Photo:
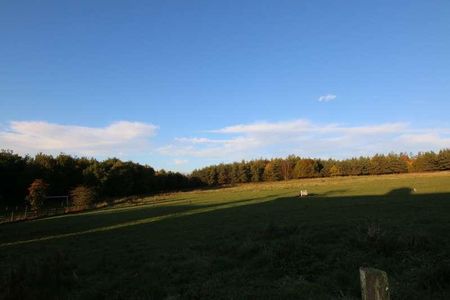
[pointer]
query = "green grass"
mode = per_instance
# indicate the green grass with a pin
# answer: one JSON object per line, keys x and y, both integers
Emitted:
{"x": 254, "y": 241}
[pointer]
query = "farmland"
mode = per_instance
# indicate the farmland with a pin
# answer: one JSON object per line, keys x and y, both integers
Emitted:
{"x": 249, "y": 241}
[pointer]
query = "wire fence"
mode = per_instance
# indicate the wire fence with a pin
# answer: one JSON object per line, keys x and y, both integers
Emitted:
{"x": 17, "y": 214}
{"x": 22, "y": 213}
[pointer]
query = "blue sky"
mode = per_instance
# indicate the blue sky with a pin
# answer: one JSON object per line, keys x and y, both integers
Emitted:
{"x": 183, "y": 84}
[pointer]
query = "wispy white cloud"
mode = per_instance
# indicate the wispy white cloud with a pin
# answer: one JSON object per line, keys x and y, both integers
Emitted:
{"x": 266, "y": 127}
{"x": 179, "y": 162}
{"x": 198, "y": 140}
{"x": 113, "y": 140}
{"x": 303, "y": 126}
{"x": 218, "y": 149}
{"x": 306, "y": 138}
{"x": 432, "y": 139}
{"x": 327, "y": 98}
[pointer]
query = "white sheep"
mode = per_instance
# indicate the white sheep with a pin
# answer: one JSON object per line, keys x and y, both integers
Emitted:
{"x": 303, "y": 193}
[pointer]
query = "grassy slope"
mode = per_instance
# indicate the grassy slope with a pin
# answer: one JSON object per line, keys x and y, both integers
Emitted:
{"x": 250, "y": 241}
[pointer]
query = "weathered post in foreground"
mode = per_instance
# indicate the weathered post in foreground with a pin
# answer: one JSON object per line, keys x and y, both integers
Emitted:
{"x": 374, "y": 284}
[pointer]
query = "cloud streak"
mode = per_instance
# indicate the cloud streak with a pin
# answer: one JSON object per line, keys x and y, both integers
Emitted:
{"x": 113, "y": 140}
{"x": 180, "y": 161}
{"x": 326, "y": 98}
{"x": 306, "y": 138}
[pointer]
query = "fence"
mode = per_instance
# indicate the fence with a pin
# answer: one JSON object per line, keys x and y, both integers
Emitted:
{"x": 17, "y": 214}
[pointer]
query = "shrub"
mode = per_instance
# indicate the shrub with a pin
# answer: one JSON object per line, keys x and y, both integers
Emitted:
{"x": 82, "y": 196}
{"x": 37, "y": 192}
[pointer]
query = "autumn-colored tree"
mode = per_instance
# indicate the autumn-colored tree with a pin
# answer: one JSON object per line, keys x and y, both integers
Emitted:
{"x": 286, "y": 167}
{"x": 305, "y": 168}
{"x": 272, "y": 171}
{"x": 335, "y": 171}
{"x": 82, "y": 196}
{"x": 37, "y": 192}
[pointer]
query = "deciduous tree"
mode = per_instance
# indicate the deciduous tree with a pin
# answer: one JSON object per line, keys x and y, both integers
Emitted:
{"x": 37, "y": 192}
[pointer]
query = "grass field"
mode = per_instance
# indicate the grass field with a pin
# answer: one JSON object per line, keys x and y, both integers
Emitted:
{"x": 254, "y": 241}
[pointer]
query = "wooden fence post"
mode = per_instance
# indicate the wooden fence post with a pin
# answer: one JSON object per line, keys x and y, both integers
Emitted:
{"x": 374, "y": 284}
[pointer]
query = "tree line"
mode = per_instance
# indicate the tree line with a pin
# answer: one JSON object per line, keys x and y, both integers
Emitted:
{"x": 26, "y": 179}
{"x": 63, "y": 174}
{"x": 294, "y": 167}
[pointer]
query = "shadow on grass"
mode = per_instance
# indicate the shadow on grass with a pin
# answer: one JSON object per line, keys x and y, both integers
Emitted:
{"x": 269, "y": 247}
{"x": 107, "y": 220}
{"x": 328, "y": 193}
{"x": 401, "y": 192}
